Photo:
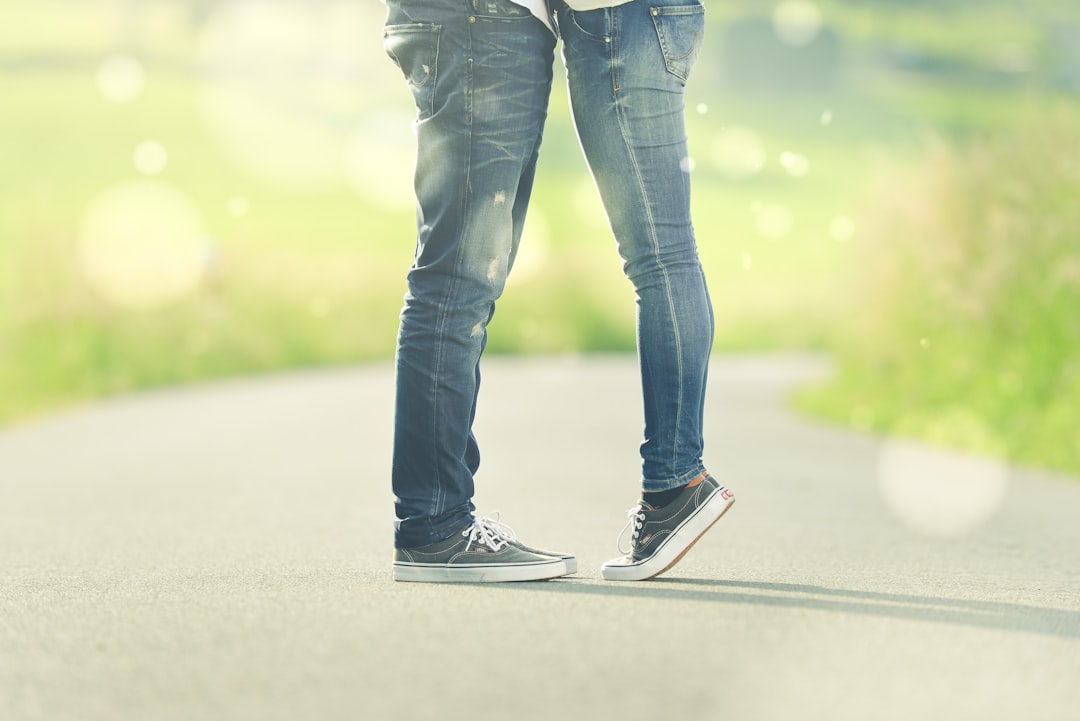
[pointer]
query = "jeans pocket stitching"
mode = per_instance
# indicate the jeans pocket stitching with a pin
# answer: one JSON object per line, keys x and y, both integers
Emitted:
{"x": 587, "y": 33}
{"x": 664, "y": 17}
{"x": 423, "y": 89}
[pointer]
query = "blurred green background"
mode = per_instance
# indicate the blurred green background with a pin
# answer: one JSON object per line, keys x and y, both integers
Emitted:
{"x": 199, "y": 188}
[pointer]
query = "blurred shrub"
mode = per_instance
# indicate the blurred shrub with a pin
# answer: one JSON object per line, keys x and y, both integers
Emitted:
{"x": 967, "y": 332}
{"x": 755, "y": 58}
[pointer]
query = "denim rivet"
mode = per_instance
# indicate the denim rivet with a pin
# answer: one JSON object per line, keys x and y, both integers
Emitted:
{"x": 472, "y": 18}
{"x": 607, "y": 40}
{"x": 654, "y": 12}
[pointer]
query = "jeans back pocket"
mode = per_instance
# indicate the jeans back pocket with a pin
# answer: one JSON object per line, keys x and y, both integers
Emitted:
{"x": 415, "y": 49}
{"x": 680, "y": 29}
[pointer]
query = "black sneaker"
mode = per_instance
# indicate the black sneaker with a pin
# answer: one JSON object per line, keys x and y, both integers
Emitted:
{"x": 492, "y": 520}
{"x": 662, "y": 536}
{"x": 480, "y": 553}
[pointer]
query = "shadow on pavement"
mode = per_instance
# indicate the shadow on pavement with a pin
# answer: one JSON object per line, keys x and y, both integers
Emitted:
{"x": 952, "y": 611}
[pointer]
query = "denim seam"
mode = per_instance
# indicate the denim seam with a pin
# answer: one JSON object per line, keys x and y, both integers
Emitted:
{"x": 654, "y": 240}
{"x": 444, "y": 312}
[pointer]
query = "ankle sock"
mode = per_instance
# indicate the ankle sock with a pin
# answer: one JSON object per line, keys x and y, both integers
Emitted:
{"x": 659, "y": 499}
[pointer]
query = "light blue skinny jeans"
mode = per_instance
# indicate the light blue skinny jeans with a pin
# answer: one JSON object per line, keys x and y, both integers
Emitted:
{"x": 480, "y": 72}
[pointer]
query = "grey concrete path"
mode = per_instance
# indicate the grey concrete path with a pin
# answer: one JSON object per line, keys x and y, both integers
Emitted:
{"x": 223, "y": 552}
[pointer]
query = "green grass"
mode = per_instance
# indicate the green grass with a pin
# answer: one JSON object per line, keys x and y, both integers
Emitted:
{"x": 969, "y": 329}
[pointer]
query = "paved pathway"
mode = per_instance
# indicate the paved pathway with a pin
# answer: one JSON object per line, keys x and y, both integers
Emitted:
{"x": 222, "y": 552}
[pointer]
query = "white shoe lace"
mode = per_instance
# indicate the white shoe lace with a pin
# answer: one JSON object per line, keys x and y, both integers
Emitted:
{"x": 636, "y": 518}
{"x": 489, "y": 531}
{"x": 492, "y": 521}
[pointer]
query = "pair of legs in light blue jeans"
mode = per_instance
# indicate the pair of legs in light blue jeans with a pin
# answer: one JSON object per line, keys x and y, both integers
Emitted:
{"x": 480, "y": 72}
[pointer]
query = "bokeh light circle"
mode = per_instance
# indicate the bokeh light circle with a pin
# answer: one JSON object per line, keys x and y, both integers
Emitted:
{"x": 773, "y": 221}
{"x": 842, "y": 228}
{"x": 283, "y": 85}
{"x": 937, "y": 492}
{"x": 796, "y": 164}
{"x": 120, "y": 78}
{"x": 142, "y": 245}
{"x": 797, "y": 22}
{"x": 150, "y": 157}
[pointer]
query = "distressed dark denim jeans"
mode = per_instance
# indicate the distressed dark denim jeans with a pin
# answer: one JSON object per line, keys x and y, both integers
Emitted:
{"x": 480, "y": 72}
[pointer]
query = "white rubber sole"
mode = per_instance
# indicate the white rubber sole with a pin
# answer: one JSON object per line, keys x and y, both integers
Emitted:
{"x": 477, "y": 573}
{"x": 677, "y": 544}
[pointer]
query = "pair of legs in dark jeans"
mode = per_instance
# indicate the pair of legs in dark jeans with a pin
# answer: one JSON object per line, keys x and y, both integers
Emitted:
{"x": 480, "y": 72}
